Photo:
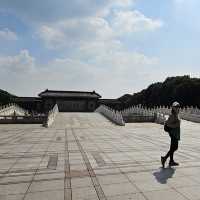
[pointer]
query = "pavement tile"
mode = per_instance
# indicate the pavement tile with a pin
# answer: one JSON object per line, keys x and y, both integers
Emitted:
{"x": 151, "y": 185}
{"x": 81, "y": 182}
{"x": 16, "y": 179}
{"x": 110, "y": 179}
{"x": 123, "y": 161}
{"x": 164, "y": 195}
{"x": 83, "y": 193}
{"x": 183, "y": 182}
{"x": 49, "y": 176}
{"x": 19, "y": 188}
{"x": 191, "y": 192}
{"x": 135, "y": 196}
{"x": 139, "y": 176}
{"x": 118, "y": 189}
{"x": 46, "y": 195}
{"x": 11, "y": 197}
{"x": 39, "y": 186}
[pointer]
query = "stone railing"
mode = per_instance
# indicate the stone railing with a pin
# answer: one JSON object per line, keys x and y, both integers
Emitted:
{"x": 38, "y": 119}
{"x": 138, "y": 111}
{"x": 112, "y": 115}
{"x": 12, "y": 109}
{"x": 161, "y": 113}
{"x": 51, "y": 116}
{"x": 190, "y": 117}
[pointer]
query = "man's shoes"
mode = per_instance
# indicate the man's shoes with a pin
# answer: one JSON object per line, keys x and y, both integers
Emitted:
{"x": 173, "y": 163}
{"x": 163, "y": 161}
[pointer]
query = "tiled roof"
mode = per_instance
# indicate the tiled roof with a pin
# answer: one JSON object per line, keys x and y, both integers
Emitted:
{"x": 109, "y": 101}
{"x": 73, "y": 94}
{"x": 19, "y": 99}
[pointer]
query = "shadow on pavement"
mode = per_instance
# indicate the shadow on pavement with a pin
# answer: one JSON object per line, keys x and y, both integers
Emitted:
{"x": 164, "y": 174}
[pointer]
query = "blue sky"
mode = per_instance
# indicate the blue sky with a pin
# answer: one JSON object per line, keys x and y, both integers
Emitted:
{"x": 110, "y": 46}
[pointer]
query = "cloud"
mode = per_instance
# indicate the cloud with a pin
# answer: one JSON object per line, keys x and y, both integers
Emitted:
{"x": 18, "y": 64}
{"x": 120, "y": 69}
{"x": 122, "y": 3}
{"x": 53, "y": 38}
{"x": 73, "y": 32}
{"x": 133, "y": 21}
{"x": 51, "y": 11}
{"x": 84, "y": 38}
{"x": 6, "y": 34}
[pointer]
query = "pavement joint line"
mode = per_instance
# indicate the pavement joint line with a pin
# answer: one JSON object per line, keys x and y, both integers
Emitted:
{"x": 95, "y": 182}
{"x": 184, "y": 196}
{"x": 98, "y": 158}
{"x": 20, "y": 131}
{"x": 16, "y": 135}
{"x": 25, "y": 156}
{"x": 45, "y": 152}
{"x": 9, "y": 170}
{"x": 67, "y": 179}
{"x": 11, "y": 136}
{"x": 132, "y": 183}
{"x": 94, "y": 137}
{"x": 25, "y": 170}
{"x": 113, "y": 173}
{"x": 28, "y": 181}
{"x": 125, "y": 174}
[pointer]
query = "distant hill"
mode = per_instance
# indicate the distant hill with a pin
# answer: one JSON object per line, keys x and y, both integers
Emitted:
{"x": 5, "y": 97}
{"x": 183, "y": 89}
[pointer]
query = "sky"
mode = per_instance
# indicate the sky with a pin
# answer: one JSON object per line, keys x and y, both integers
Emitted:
{"x": 114, "y": 47}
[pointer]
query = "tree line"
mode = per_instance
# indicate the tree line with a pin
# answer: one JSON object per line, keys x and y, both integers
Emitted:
{"x": 5, "y": 97}
{"x": 183, "y": 89}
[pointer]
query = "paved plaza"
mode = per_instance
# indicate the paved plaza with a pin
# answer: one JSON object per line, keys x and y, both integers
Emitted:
{"x": 83, "y": 156}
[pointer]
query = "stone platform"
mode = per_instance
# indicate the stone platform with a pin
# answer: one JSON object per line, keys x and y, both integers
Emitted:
{"x": 83, "y": 156}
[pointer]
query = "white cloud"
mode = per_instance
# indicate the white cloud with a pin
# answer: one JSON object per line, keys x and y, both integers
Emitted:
{"x": 75, "y": 31}
{"x": 120, "y": 69}
{"x": 110, "y": 74}
{"x": 133, "y": 21}
{"x": 53, "y": 38}
{"x": 6, "y": 34}
{"x": 122, "y": 3}
{"x": 89, "y": 33}
{"x": 19, "y": 64}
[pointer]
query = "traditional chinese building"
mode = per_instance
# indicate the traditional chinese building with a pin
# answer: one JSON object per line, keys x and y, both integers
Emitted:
{"x": 69, "y": 101}
{"x": 30, "y": 103}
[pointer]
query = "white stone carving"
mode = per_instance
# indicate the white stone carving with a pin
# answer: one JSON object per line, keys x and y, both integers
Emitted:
{"x": 187, "y": 113}
{"x": 11, "y": 109}
{"x": 114, "y": 116}
{"x": 51, "y": 116}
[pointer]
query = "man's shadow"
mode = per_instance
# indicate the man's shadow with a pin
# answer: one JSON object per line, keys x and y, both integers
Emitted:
{"x": 164, "y": 174}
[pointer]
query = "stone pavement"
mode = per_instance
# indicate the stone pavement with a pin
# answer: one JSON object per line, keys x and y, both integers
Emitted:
{"x": 83, "y": 156}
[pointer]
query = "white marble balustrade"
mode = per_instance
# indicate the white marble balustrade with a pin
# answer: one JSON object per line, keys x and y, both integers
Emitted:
{"x": 10, "y": 109}
{"x": 187, "y": 113}
{"x": 51, "y": 116}
{"x": 114, "y": 116}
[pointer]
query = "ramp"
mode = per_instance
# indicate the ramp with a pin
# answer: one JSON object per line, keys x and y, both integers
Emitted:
{"x": 80, "y": 120}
